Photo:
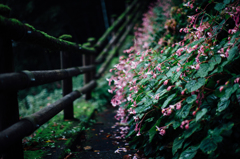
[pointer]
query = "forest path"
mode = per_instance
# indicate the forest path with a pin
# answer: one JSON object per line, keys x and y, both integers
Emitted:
{"x": 101, "y": 141}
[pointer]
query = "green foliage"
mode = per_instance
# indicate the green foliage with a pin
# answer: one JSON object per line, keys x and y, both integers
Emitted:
{"x": 185, "y": 87}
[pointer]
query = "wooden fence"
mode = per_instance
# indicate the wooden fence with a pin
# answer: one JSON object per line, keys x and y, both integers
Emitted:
{"x": 12, "y": 130}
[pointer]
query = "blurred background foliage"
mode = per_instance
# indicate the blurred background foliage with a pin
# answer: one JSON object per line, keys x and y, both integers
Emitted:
{"x": 80, "y": 18}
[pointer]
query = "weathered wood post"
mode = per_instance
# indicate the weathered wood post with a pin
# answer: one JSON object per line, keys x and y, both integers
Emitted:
{"x": 113, "y": 18}
{"x": 65, "y": 59}
{"x": 9, "y": 112}
{"x": 89, "y": 60}
{"x": 128, "y": 16}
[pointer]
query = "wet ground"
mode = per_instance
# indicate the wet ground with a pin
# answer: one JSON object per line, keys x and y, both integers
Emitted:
{"x": 102, "y": 140}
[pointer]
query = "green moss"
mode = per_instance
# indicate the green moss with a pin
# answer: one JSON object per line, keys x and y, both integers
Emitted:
{"x": 86, "y": 44}
{"x": 30, "y": 26}
{"x": 65, "y": 37}
{"x": 57, "y": 128}
{"x": 37, "y": 154}
{"x": 91, "y": 39}
{"x": 4, "y": 10}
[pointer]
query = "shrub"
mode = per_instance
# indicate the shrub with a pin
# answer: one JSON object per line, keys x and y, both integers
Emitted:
{"x": 178, "y": 88}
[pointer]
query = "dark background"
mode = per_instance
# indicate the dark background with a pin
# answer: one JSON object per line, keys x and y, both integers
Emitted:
{"x": 80, "y": 18}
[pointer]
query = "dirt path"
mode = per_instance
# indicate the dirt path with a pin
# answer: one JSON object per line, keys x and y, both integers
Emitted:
{"x": 101, "y": 141}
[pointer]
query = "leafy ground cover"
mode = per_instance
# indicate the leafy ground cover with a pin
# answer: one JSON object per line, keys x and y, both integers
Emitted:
{"x": 56, "y": 136}
{"x": 178, "y": 86}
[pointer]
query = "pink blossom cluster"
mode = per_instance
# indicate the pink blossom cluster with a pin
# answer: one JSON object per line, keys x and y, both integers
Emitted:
{"x": 185, "y": 124}
{"x": 167, "y": 111}
{"x": 141, "y": 64}
{"x": 161, "y": 130}
{"x": 189, "y": 4}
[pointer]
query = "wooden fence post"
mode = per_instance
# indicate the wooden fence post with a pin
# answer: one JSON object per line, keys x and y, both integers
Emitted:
{"x": 128, "y": 17}
{"x": 9, "y": 112}
{"x": 89, "y": 60}
{"x": 113, "y": 17}
{"x": 65, "y": 59}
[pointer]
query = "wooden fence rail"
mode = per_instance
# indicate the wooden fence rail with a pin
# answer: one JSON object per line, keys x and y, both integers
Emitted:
{"x": 25, "y": 79}
{"x": 29, "y": 124}
{"x": 11, "y": 129}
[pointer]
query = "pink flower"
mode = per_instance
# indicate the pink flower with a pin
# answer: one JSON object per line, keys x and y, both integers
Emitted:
{"x": 163, "y": 111}
{"x": 232, "y": 31}
{"x": 157, "y": 96}
{"x": 136, "y": 127}
{"x": 182, "y": 93}
{"x": 197, "y": 67}
{"x": 171, "y": 106}
{"x": 178, "y": 69}
{"x": 154, "y": 75}
{"x": 237, "y": 80}
{"x": 138, "y": 134}
{"x": 183, "y": 122}
{"x": 110, "y": 91}
{"x": 162, "y": 132}
{"x": 186, "y": 123}
{"x": 178, "y": 106}
{"x": 209, "y": 34}
{"x": 165, "y": 82}
{"x": 194, "y": 113}
{"x": 169, "y": 111}
{"x": 221, "y": 88}
{"x": 179, "y": 51}
{"x": 169, "y": 88}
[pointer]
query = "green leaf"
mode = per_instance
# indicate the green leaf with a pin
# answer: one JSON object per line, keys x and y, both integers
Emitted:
{"x": 191, "y": 99}
{"x": 219, "y": 6}
{"x": 226, "y": 1}
{"x": 223, "y": 129}
{"x": 217, "y": 138}
{"x": 203, "y": 70}
{"x": 170, "y": 72}
{"x": 153, "y": 131}
{"x": 193, "y": 127}
{"x": 222, "y": 105}
{"x": 201, "y": 113}
{"x": 131, "y": 133}
{"x": 232, "y": 52}
{"x": 177, "y": 144}
{"x": 168, "y": 100}
{"x": 149, "y": 119}
{"x": 161, "y": 89}
{"x": 229, "y": 91}
{"x": 176, "y": 124}
{"x": 196, "y": 42}
{"x": 213, "y": 61}
{"x": 183, "y": 113}
{"x": 195, "y": 85}
{"x": 142, "y": 108}
{"x": 176, "y": 76}
{"x": 208, "y": 145}
{"x": 189, "y": 153}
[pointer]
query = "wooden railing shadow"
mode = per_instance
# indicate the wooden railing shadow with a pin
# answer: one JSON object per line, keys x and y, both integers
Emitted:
{"x": 12, "y": 130}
